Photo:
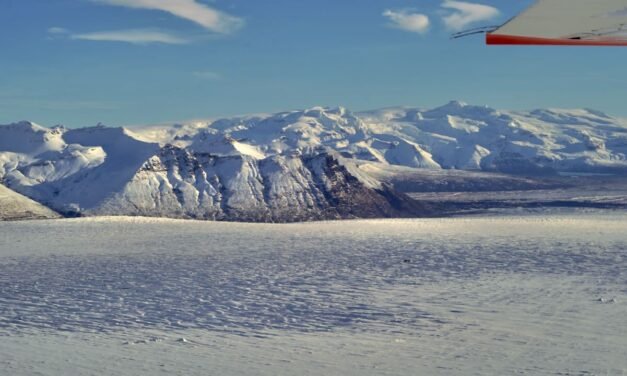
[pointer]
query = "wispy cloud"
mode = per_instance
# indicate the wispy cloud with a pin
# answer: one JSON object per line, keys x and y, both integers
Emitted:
{"x": 57, "y": 30}
{"x": 408, "y": 21}
{"x": 133, "y": 36}
{"x": 191, "y": 10}
{"x": 465, "y": 13}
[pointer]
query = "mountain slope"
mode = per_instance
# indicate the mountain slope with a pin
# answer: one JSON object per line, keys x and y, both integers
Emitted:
{"x": 14, "y": 206}
{"x": 177, "y": 183}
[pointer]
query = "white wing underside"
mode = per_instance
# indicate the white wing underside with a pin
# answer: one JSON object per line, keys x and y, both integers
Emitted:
{"x": 570, "y": 19}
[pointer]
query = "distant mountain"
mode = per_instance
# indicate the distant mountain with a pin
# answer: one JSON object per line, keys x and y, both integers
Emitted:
{"x": 297, "y": 165}
{"x": 454, "y": 136}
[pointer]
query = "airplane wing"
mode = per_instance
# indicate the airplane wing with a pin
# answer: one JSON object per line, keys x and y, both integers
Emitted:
{"x": 566, "y": 22}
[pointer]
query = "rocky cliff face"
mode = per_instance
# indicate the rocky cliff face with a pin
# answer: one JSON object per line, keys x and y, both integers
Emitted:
{"x": 178, "y": 183}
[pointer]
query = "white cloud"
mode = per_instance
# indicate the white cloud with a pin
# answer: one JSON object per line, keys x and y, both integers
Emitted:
{"x": 190, "y": 10}
{"x": 408, "y": 21}
{"x": 133, "y": 36}
{"x": 464, "y": 14}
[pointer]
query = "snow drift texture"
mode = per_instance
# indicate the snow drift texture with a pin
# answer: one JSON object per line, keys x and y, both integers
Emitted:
{"x": 295, "y": 165}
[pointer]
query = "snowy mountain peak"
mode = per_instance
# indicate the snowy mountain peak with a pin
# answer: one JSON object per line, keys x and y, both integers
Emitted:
{"x": 29, "y": 138}
{"x": 460, "y": 109}
{"x": 453, "y": 108}
{"x": 27, "y": 126}
{"x": 456, "y": 135}
{"x": 328, "y": 112}
{"x": 454, "y": 104}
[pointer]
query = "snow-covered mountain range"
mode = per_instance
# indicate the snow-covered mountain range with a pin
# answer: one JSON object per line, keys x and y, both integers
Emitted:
{"x": 296, "y": 165}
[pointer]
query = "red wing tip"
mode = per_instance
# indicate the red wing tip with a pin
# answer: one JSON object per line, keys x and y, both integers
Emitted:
{"x": 516, "y": 40}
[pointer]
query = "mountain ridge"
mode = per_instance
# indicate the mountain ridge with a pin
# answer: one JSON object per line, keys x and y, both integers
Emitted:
{"x": 295, "y": 165}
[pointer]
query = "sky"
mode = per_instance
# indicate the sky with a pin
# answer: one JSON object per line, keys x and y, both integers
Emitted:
{"x": 132, "y": 62}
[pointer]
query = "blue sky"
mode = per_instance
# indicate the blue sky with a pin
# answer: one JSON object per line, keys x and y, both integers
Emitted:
{"x": 124, "y": 62}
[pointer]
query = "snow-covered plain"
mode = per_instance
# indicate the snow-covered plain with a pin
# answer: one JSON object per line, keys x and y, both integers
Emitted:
{"x": 534, "y": 295}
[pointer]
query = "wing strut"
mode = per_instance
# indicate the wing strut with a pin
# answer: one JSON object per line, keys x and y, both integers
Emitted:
{"x": 476, "y": 30}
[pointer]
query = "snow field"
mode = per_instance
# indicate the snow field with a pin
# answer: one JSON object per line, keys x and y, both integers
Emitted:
{"x": 471, "y": 296}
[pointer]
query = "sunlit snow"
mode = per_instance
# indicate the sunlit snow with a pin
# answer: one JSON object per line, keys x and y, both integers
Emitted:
{"x": 504, "y": 295}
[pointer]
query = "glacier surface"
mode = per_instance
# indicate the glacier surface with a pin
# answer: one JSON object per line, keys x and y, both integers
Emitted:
{"x": 533, "y": 295}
